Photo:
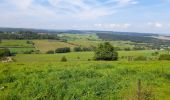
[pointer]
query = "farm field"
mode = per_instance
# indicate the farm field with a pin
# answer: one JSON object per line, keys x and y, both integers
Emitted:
{"x": 77, "y": 56}
{"x": 15, "y": 43}
{"x": 40, "y": 76}
{"x": 84, "y": 80}
{"x": 17, "y": 46}
{"x": 46, "y": 45}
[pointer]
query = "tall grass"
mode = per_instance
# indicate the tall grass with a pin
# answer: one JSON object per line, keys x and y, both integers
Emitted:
{"x": 85, "y": 80}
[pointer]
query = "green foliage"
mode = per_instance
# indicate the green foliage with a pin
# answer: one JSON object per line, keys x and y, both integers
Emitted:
{"x": 140, "y": 58}
{"x": 155, "y": 53}
{"x": 84, "y": 80}
{"x": 164, "y": 57}
{"x": 27, "y": 35}
{"x": 63, "y": 50}
{"x": 77, "y": 49}
{"x": 4, "y": 52}
{"x": 30, "y": 42}
{"x": 50, "y": 52}
{"x": 105, "y": 52}
{"x": 63, "y": 59}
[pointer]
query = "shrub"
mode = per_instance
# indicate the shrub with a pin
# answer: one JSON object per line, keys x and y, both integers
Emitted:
{"x": 63, "y": 59}
{"x": 77, "y": 49}
{"x": 140, "y": 58}
{"x": 50, "y": 52}
{"x": 4, "y": 52}
{"x": 155, "y": 53}
{"x": 30, "y": 42}
{"x": 28, "y": 52}
{"x": 78, "y": 57}
{"x": 105, "y": 51}
{"x": 87, "y": 49}
{"x": 127, "y": 49}
{"x": 164, "y": 57}
{"x": 63, "y": 50}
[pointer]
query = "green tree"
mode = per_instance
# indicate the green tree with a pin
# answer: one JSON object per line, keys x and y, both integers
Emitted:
{"x": 77, "y": 49}
{"x": 63, "y": 59}
{"x": 4, "y": 52}
{"x": 105, "y": 51}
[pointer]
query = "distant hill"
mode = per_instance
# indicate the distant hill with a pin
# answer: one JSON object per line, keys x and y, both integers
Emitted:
{"x": 75, "y": 31}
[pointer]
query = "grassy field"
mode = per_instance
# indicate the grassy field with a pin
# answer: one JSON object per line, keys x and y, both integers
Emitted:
{"x": 46, "y": 45}
{"x": 45, "y": 77}
{"x": 85, "y": 37}
{"x": 21, "y": 46}
{"x": 78, "y": 56}
{"x": 15, "y": 43}
{"x": 17, "y": 46}
{"x": 84, "y": 80}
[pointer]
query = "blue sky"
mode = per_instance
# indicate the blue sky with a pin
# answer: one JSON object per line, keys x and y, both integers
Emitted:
{"x": 114, "y": 15}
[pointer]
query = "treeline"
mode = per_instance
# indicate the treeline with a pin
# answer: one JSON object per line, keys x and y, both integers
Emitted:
{"x": 135, "y": 38}
{"x": 27, "y": 35}
{"x": 68, "y": 49}
{"x": 4, "y": 53}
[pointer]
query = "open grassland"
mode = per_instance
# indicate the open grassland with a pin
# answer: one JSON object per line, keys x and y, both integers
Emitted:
{"x": 21, "y": 46}
{"x": 17, "y": 46}
{"x": 120, "y": 44}
{"x": 73, "y": 56}
{"x": 72, "y": 37}
{"x": 46, "y": 45}
{"x": 78, "y": 56}
{"x": 21, "y": 50}
{"x": 85, "y": 80}
{"x": 15, "y": 43}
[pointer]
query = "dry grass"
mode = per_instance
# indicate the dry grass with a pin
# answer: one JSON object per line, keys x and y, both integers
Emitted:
{"x": 45, "y": 45}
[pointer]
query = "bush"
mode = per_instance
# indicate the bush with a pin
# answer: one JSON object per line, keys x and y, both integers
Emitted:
{"x": 28, "y": 52}
{"x": 164, "y": 57}
{"x": 140, "y": 58}
{"x": 63, "y": 50}
{"x": 87, "y": 49}
{"x": 30, "y": 42}
{"x": 63, "y": 59}
{"x": 4, "y": 52}
{"x": 155, "y": 53}
{"x": 77, "y": 49}
{"x": 50, "y": 52}
{"x": 105, "y": 52}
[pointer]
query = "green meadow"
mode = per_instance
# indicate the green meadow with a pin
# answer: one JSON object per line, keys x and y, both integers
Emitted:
{"x": 41, "y": 76}
{"x": 85, "y": 80}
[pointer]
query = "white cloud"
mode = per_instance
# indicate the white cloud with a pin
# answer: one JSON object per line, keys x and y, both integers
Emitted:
{"x": 21, "y": 4}
{"x": 155, "y": 24}
{"x": 113, "y": 26}
{"x": 126, "y": 2}
{"x": 81, "y": 9}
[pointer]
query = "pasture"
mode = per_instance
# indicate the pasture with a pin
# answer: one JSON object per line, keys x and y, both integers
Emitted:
{"x": 85, "y": 80}
{"x": 78, "y": 56}
{"x": 43, "y": 76}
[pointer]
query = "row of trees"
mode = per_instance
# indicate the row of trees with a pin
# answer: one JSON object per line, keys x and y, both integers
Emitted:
{"x": 104, "y": 51}
{"x": 68, "y": 49}
{"x": 27, "y": 35}
{"x": 4, "y": 53}
{"x": 79, "y": 49}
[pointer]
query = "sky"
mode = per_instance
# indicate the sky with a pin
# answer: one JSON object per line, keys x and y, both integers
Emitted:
{"x": 151, "y": 16}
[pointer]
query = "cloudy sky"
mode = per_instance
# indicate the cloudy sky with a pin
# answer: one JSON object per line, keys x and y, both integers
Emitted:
{"x": 114, "y": 15}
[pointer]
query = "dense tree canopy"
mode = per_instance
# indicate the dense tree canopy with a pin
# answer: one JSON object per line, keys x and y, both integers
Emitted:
{"x": 4, "y": 52}
{"x": 27, "y": 35}
{"x": 105, "y": 51}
